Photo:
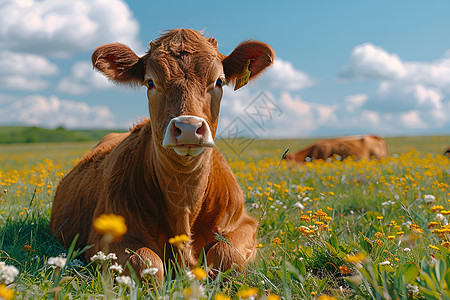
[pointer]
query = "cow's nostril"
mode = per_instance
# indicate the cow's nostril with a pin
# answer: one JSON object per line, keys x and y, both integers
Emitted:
{"x": 176, "y": 130}
{"x": 201, "y": 130}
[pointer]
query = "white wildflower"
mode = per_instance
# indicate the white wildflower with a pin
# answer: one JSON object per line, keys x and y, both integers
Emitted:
{"x": 99, "y": 256}
{"x": 125, "y": 280}
{"x": 441, "y": 218}
{"x": 299, "y": 205}
{"x": 59, "y": 261}
{"x": 116, "y": 268}
{"x": 429, "y": 199}
{"x": 111, "y": 256}
{"x": 7, "y": 273}
{"x": 150, "y": 271}
{"x": 194, "y": 292}
{"x": 407, "y": 250}
{"x": 412, "y": 289}
{"x": 390, "y": 202}
{"x": 190, "y": 275}
{"x": 255, "y": 205}
{"x": 385, "y": 263}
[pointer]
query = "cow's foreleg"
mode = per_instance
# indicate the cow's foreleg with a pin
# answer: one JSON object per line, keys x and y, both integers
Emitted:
{"x": 239, "y": 247}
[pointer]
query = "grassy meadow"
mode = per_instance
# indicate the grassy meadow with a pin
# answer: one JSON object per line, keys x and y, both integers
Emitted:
{"x": 370, "y": 229}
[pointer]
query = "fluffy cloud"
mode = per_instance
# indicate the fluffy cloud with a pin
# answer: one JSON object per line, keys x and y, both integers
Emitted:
{"x": 82, "y": 80}
{"x": 410, "y": 95}
{"x": 62, "y": 28}
{"x": 20, "y": 71}
{"x": 282, "y": 75}
{"x": 37, "y": 110}
{"x": 368, "y": 62}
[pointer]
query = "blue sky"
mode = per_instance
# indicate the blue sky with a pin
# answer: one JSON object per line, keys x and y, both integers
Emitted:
{"x": 342, "y": 67}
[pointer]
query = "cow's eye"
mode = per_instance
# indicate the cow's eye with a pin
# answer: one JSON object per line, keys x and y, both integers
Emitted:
{"x": 219, "y": 82}
{"x": 150, "y": 84}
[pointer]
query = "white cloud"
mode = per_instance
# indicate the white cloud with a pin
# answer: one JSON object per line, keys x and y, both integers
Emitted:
{"x": 37, "y": 110}
{"x": 82, "y": 80}
{"x": 410, "y": 95}
{"x": 368, "y": 62}
{"x": 21, "y": 71}
{"x": 62, "y": 28}
{"x": 282, "y": 75}
{"x": 353, "y": 102}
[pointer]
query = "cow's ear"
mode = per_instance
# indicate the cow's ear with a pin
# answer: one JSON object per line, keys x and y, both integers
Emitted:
{"x": 257, "y": 55}
{"x": 119, "y": 63}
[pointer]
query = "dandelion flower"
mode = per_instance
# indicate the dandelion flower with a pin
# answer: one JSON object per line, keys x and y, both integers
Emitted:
{"x": 199, "y": 273}
{"x": 110, "y": 224}
{"x": 179, "y": 240}
{"x": 7, "y": 273}
{"x": 59, "y": 261}
{"x": 429, "y": 199}
{"x": 358, "y": 257}
{"x": 6, "y": 293}
{"x": 221, "y": 297}
{"x": 273, "y": 297}
{"x": 247, "y": 293}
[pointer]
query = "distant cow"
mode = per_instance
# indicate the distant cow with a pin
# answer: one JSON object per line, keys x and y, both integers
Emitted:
{"x": 367, "y": 146}
{"x": 165, "y": 176}
{"x": 447, "y": 153}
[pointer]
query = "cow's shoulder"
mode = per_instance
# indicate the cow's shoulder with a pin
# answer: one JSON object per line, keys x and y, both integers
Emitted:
{"x": 110, "y": 141}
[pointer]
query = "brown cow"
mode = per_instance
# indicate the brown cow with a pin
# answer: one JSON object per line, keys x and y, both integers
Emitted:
{"x": 367, "y": 146}
{"x": 165, "y": 177}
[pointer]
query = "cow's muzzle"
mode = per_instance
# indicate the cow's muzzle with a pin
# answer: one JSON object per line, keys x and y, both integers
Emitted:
{"x": 188, "y": 135}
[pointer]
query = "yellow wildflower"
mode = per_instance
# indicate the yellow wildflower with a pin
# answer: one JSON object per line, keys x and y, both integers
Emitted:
{"x": 221, "y": 297}
{"x": 446, "y": 245}
{"x": 247, "y": 293}
{"x": 325, "y": 297}
{"x": 6, "y": 293}
{"x": 433, "y": 247}
{"x": 276, "y": 241}
{"x": 110, "y": 224}
{"x": 380, "y": 217}
{"x": 179, "y": 240}
{"x": 259, "y": 245}
{"x": 358, "y": 257}
{"x": 432, "y": 225}
{"x": 273, "y": 297}
{"x": 199, "y": 273}
{"x": 344, "y": 269}
{"x": 391, "y": 237}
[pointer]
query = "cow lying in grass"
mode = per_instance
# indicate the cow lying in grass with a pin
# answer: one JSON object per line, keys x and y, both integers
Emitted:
{"x": 367, "y": 146}
{"x": 165, "y": 176}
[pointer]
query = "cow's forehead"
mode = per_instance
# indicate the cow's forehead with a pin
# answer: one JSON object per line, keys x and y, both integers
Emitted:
{"x": 183, "y": 53}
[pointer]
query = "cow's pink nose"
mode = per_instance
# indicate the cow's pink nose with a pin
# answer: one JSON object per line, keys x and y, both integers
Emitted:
{"x": 188, "y": 130}
{"x": 186, "y": 133}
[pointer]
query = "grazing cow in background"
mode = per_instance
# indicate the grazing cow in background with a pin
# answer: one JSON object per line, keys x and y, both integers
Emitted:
{"x": 367, "y": 146}
{"x": 165, "y": 176}
{"x": 447, "y": 153}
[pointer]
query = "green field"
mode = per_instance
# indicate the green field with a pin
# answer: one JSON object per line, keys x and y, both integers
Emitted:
{"x": 348, "y": 230}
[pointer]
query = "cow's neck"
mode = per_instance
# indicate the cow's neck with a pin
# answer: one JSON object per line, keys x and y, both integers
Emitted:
{"x": 183, "y": 182}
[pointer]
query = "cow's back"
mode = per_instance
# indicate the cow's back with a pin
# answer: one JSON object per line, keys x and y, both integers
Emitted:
{"x": 73, "y": 207}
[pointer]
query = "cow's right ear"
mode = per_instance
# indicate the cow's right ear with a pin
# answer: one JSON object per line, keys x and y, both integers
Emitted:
{"x": 119, "y": 63}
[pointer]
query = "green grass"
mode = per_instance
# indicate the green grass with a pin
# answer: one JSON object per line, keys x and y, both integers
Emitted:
{"x": 13, "y": 135}
{"x": 361, "y": 200}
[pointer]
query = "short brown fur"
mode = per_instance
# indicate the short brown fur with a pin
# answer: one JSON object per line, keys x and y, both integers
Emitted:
{"x": 159, "y": 193}
{"x": 368, "y": 146}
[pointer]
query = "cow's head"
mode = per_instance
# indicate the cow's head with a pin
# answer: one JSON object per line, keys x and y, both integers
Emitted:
{"x": 184, "y": 74}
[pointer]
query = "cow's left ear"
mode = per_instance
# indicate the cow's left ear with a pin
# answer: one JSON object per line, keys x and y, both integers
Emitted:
{"x": 257, "y": 54}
